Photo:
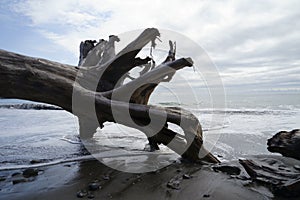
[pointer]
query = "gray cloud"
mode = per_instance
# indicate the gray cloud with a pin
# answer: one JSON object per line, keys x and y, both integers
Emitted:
{"x": 250, "y": 42}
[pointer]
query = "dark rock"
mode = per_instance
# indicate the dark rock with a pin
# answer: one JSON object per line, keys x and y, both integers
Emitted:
{"x": 90, "y": 195}
{"x": 30, "y": 172}
{"x": 244, "y": 178}
{"x": 206, "y": 195}
{"x": 179, "y": 170}
{"x": 174, "y": 184}
{"x": 289, "y": 189}
{"x": 2, "y": 178}
{"x": 297, "y": 167}
{"x": 105, "y": 177}
{"x": 94, "y": 186}
{"x": 231, "y": 170}
{"x": 19, "y": 180}
{"x": 16, "y": 174}
{"x": 286, "y": 143}
{"x": 186, "y": 176}
{"x": 35, "y": 161}
{"x": 284, "y": 182}
{"x": 81, "y": 193}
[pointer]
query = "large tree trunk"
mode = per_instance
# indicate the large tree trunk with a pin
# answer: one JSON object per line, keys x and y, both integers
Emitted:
{"x": 45, "y": 81}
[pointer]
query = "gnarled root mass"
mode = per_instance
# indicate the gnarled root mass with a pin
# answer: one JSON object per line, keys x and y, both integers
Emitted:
{"x": 99, "y": 87}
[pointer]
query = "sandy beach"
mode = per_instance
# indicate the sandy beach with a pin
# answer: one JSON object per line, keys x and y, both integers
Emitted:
{"x": 90, "y": 179}
{"x": 51, "y": 163}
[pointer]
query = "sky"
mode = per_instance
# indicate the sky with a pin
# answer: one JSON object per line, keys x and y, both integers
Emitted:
{"x": 255, "y": 45}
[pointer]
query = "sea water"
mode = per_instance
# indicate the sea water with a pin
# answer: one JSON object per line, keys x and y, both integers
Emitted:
{"x": 51, "y": 136}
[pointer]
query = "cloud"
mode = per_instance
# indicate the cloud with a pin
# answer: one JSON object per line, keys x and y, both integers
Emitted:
{"x": 249, "y": 42}
{"x": 67, "y": 13}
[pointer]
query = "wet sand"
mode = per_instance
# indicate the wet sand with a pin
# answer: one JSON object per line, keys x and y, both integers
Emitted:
{"x": 92, "y": 179}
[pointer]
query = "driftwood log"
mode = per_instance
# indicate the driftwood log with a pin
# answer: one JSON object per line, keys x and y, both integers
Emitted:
{"x": 286, "y": 143}
{"x": 281, "y": 176}
{"x": 100, "y": 79}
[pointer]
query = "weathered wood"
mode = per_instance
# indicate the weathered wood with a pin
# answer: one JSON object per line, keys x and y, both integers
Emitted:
{"x": 282, "y": 178}
{"x": 54, "y": 83}
{"x": 286, "y": 143}
{"x": 113, "y": 69}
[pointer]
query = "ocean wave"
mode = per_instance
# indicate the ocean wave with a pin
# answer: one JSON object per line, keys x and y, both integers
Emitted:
{"x": 170, "y": 104}
{"x": 30, "y": 106}
{"x": 219, "y": 127}
{"x": 94, "y": 156}
{"x": 273, "y": 110}
{"x": 54, "y": 162}
{"x": 72, "y": 139}
{"x": 245, "y": 111}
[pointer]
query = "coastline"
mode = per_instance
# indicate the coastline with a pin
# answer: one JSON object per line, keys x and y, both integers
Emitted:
{"x": 31, "y": 137}
{"x": 95, "y": 180}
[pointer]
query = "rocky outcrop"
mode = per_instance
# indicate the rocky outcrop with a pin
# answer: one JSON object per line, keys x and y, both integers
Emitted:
{"x": 279, "y": 175}
{"x": 286, "y": 143}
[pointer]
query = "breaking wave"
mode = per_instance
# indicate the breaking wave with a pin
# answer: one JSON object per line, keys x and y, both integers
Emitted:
{"x": 30, "y": 106}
